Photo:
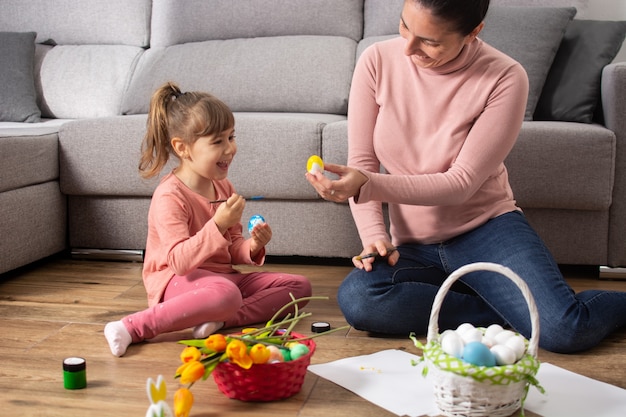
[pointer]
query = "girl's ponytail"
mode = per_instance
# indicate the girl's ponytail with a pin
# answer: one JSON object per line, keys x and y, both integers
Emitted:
{"x": 155, "y": 149}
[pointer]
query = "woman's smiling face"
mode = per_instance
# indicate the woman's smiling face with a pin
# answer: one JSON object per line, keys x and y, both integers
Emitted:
{"x": 430, "y": 41}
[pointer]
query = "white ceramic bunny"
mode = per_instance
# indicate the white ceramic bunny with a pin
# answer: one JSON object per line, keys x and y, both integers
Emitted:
{"x": 157, "y": 392}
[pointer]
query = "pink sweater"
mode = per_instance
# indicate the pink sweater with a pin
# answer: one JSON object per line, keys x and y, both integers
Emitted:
{"x": 442, "y": 133}
{"x": 182, "y": 236}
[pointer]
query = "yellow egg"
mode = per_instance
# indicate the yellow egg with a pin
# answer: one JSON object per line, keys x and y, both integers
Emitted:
{"x": 315, "y": 164}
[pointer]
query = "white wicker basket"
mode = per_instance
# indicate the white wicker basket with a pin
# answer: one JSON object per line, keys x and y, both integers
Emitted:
{"x": 464, "y": 395}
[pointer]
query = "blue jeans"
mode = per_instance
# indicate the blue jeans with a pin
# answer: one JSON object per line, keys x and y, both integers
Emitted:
{"x": 398, "y": 299}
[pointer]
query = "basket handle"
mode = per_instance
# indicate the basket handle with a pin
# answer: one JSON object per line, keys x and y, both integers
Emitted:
{"x": 433, "y": 324}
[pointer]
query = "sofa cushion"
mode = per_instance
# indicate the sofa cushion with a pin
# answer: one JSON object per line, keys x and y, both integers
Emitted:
{"x": 278, "y": 74}
{"x": 203, "y": 20}
{"x": 531, "y": 36}
{"x": 115, "y": 22}
{"x": 573, "y": 162}
{"x": 273, "y": 150}
{"x": 572, "y": 88}
{"x": 28, "y": 160}
{"x": 81, "y": 81}
{"x": 101, "y": 156}
{"x": 18, "y": 101}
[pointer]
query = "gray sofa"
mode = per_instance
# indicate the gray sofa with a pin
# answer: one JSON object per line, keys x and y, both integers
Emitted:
{"x": 71, "y": 180}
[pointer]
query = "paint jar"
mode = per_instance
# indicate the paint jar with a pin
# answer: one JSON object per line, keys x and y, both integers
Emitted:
{"x": 74, "y": 373}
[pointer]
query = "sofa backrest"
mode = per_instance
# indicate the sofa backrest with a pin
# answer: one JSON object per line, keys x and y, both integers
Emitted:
{"x": 263, "y": 55}
{"x": 86, "y": 51}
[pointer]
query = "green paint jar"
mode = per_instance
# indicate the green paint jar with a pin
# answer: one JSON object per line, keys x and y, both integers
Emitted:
{"x": 74, "y": 373}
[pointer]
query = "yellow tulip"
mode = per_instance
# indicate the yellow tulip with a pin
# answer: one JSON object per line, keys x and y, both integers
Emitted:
{"x": 259, "y": 353}
{"x": 189, "y": 354}
{"x": 183, "y": 401}
{"x": 190, "y": 372}
{"x": 237, "y": 352}
{"x": 216, "y": 342}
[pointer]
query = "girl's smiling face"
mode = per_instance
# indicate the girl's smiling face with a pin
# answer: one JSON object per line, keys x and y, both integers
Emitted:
{"x": 207, "y": 159}
{"x": 210, "y": 157}
{"x": 431, "y": 41}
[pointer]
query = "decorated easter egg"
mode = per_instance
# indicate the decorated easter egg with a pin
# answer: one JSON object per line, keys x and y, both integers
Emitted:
{"x": 298, "y": 350}
{"x": 504, "y": 355}
{"x": 275, "y": 354}
{"x": 254, "y": 220}
{"x": 451, "y": 343}
{"x": 315, "y": 164}
{"x": 517, "y": 344}
{"x": 286, "y": 354}
{"x": 478, "y": 354}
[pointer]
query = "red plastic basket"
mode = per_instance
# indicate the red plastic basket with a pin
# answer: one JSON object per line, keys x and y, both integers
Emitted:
{"x": 265, "y": 382}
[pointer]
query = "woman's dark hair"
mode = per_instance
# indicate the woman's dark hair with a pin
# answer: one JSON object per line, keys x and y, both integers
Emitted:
{"x": 464, "y": 14}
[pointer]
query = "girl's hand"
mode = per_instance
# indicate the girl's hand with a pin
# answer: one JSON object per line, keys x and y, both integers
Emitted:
{"x": 383, "y": 248}
{"x": 260, "y": 236}
{"x": 229, "y": 213}
{"x": 348, "y": 185}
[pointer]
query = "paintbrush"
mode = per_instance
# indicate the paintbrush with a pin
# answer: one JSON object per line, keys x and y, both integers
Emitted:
{"x": 255, "y": 197}
{"x": 374, "y": 254}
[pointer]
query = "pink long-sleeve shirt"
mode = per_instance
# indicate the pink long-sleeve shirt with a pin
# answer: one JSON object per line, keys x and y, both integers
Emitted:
{"x": 442, "y": 133}
{"x": 183, "y": 237}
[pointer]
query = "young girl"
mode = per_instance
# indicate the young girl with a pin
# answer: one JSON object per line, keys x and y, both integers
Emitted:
{"x": 193, "y": 243}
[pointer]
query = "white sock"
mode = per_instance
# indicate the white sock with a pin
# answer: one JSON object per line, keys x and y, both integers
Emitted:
{"x": 205, "y": 330}
{"x": 118, "y": 337}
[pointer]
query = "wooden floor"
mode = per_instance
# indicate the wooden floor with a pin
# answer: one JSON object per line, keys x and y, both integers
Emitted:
{"x": 58, "y": 308}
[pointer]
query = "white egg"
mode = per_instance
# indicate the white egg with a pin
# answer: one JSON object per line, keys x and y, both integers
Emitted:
{"x": 503, "y": 336}
{"x": 464, "y": 327}
{"x": 504, "y": 355}
{"x": 451, "y": 343}
{"x": 517, "y": 344}
{"x": 472, "y": 335}
{"x": 493, "y": 330}
{"x": 488, "y": 341}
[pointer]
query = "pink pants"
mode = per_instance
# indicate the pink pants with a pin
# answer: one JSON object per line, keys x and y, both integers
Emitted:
{"x": 204, "y": 296}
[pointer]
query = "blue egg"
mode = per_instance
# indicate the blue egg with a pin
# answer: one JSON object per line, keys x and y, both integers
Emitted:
{"x": 478, "y": 354}
{"x": 254, "y": 220}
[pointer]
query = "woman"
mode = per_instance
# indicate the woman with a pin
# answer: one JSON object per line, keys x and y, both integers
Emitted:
{"x": 440, "y": 110}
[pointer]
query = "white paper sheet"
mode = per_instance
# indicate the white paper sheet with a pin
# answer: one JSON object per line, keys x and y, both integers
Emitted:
{"x": 388, "y": 380}
{"x": 572, "y": 395}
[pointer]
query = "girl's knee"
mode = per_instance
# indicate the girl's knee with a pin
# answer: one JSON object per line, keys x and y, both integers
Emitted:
{"x": 302, "y": 287}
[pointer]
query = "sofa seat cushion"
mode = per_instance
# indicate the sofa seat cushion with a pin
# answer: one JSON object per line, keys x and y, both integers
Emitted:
{"x": 273, "y": 149}
{"x": 561, "y": 165}
{"x": 28, "y": 160}
{"x": 275, "y": 74}
{"x": 101, "y": 156}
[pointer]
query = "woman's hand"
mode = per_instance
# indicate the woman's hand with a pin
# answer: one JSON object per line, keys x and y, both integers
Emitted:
{"x": 229, "y": 213}
{"x": 348, "y": 185}
{"x": 383, "y": 248}
{"x": 260, "y": 236}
